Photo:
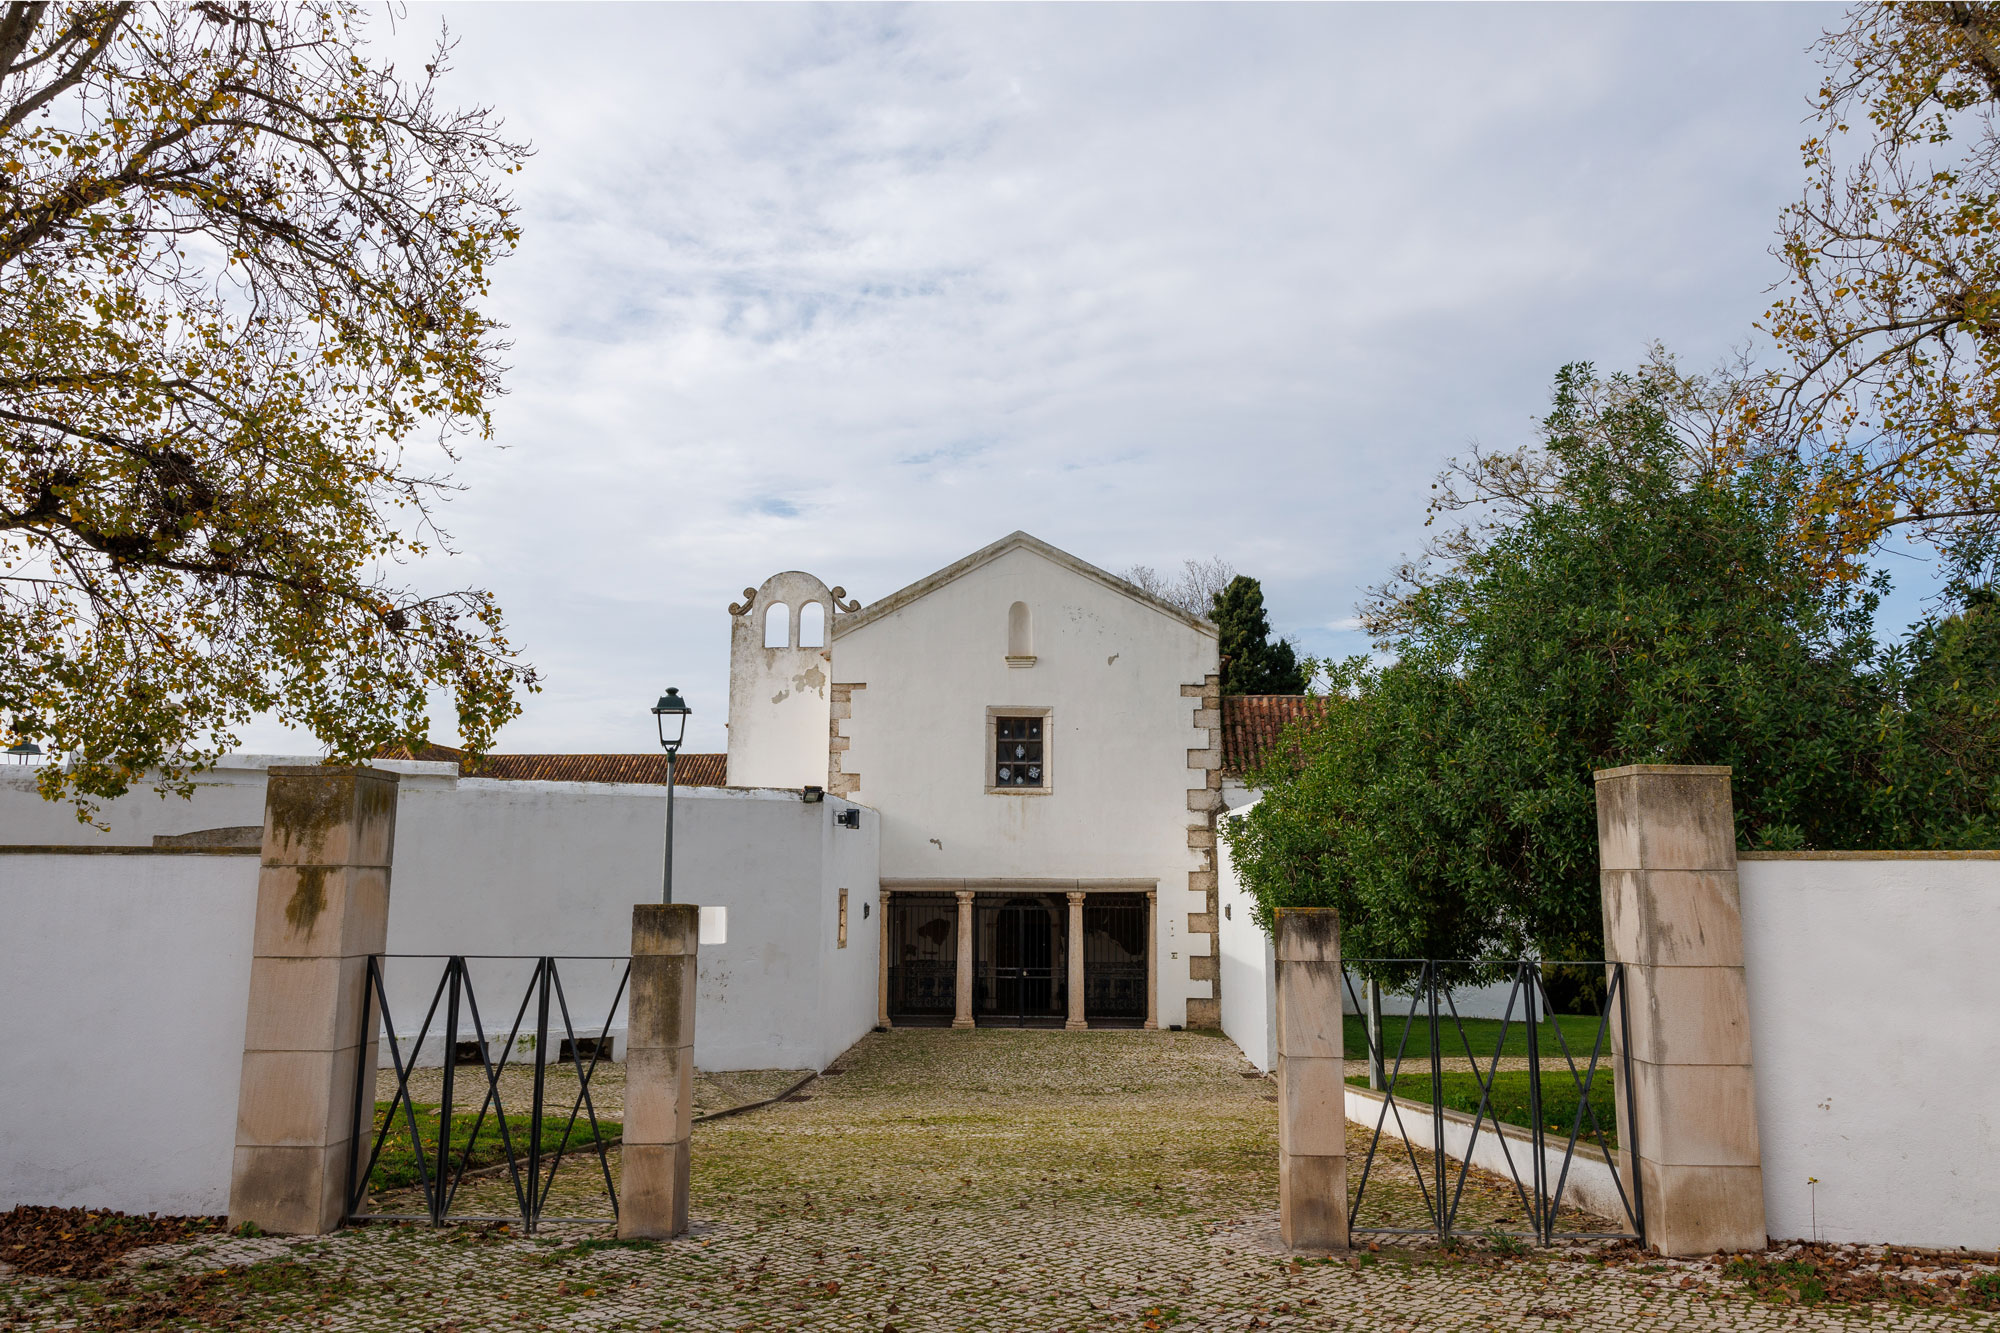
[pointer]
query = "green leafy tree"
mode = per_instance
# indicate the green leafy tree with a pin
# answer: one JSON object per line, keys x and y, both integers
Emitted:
{"x": 241, "y": 275}
{"x": 1635, "y": 604}
{"x": 1252, "y": 663}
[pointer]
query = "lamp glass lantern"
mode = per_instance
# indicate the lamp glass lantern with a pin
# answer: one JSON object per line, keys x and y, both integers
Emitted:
{"x": 670, "y": 716}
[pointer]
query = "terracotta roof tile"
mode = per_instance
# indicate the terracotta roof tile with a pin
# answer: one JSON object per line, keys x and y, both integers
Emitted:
{"x": 1252, "y": 723}
{"x": 690, "y": 770}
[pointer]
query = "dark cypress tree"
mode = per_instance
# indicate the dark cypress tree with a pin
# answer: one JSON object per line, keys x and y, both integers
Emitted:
{"x": 1251, "y": 662}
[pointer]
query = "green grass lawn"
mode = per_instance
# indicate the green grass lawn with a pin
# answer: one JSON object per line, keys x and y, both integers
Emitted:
{"x": 1509, "y": 1099}
{"x": 1482, "y": 1034}
{"x": 396, "y": 1168}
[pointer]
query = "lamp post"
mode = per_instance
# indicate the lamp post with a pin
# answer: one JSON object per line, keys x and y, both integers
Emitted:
{"x": 670, "y": 714}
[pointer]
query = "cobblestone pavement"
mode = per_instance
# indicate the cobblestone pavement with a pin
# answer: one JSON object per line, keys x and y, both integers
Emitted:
{"x": 943, "y": 1181}
{"x": 712, "y": 1092}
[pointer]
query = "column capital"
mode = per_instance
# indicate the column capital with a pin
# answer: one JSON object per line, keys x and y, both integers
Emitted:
{"x": 964, "y": 895}
{"x": 1076, "y": 895}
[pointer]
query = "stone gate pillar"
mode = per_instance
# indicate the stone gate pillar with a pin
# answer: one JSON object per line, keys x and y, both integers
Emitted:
{"x": 1312, "y": 1088}
{"x": 659, "y": 1071}
{"x": 1667, "y": 866}
{"x": 322, "y": 909}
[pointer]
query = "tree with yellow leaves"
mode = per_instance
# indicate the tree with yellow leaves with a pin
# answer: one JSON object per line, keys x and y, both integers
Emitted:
{"x": 1890, "y": 318}
{"x": 241, "y": 270}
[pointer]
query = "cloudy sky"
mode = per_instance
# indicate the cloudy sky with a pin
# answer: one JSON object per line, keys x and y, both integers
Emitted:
{"x": 857, "y": 290}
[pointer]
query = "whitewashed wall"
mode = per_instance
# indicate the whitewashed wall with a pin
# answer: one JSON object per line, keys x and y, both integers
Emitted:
{"x": 1249, "y": 969}
{"x": 122, "y": 988}
{"x": 123, "y": 978}
{"x": 778, "y": 701}
{"x": 1111, "y": 667}
{"x": 1875, "y": 1029}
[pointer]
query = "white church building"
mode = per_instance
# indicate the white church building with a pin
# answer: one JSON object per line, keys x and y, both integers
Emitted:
{"x": 1043, "y": 743}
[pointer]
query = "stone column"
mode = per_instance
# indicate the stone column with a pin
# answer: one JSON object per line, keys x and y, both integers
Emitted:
{"x": 1312, "y": 1090}
{"x": 963, "y": 1018}
{"x": 1152, "y": 961}
{"x": 1076, "y": 1021}
{"x": 882, "y": 967}
{"x": 659, "y": 1071}
{"x": 1667, "y": 866}
{"x": 322, "y": 909}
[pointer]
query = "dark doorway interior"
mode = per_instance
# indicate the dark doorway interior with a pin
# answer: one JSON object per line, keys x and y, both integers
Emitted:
{"x": 1114, "y": 959}
{"x": 923, "y": 958}
{"x": 1020, "y": 960}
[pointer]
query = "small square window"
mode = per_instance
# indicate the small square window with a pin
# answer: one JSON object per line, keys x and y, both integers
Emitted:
{"x": 1017, "y": 752}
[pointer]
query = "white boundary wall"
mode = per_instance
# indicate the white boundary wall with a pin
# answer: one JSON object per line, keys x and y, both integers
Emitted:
{"x": 1874, "y": 989}
{"x": 122, "y": 989}
{"x": 1249, "y": 970}
{"x": 1875, "y": 1029}
{"x": 123, "y": 978}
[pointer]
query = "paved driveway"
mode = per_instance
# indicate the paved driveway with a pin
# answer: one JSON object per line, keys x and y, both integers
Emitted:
{"x": 943, "y": 1181}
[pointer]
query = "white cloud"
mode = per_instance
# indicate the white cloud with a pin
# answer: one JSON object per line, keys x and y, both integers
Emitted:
{"x": 858, "y": 290}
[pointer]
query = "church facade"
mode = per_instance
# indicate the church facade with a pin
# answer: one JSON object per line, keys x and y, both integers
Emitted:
{"x": 1043, "y": 743}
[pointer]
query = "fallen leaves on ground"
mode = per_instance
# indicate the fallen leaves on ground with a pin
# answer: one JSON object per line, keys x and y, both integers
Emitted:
{"x": 81, "y": 1242}
{"x": 1808, "y": 1274}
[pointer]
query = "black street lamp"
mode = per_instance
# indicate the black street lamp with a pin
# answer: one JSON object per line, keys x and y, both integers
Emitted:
{"x": 671, "y": 715}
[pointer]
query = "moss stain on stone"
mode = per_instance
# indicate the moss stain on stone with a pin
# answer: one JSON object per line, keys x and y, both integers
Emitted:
{"x": 304, "y": 810}
{"x": 308, "y": 899}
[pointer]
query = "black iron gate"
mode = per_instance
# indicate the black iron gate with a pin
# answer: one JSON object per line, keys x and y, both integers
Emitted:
{"x": 1018, "y": 961}
{"x": 923, "y": 958}
{"x": 1537, "y": 1085}
{"x": 532, "y": 1142}
{"x": 1114, "y": 958}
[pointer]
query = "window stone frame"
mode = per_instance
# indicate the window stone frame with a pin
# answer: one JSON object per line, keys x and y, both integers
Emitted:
{"x": 994, "y": 712}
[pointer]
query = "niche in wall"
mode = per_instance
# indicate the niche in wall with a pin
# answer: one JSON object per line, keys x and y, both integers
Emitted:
{"x": 1020, "y": 636}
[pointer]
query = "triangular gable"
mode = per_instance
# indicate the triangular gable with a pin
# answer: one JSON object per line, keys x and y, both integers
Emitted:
{"x": 986, "y": 555}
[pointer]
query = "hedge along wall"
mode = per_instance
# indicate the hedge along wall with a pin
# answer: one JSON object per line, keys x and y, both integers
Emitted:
{"x": 1874, "y": 983}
